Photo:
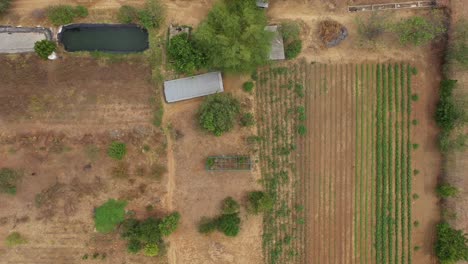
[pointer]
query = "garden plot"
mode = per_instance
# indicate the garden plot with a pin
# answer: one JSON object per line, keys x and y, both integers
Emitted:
{"x": 336, "y": 155}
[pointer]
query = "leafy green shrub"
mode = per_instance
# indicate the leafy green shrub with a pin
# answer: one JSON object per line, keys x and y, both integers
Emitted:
{"x": 15, "y": 239}
{"x": 415, "y": 146}
{"x": 185, "y": 58}
{"x": 293, "y": 49}
{"x": 445, "y": 190}
{"x": 207, "y": 225}
{"x": 414, "y": 97}
{"x": 301, "y": 113}
{"x": 415, "y": 196}
{"x": 108, "y": 215}
{"x": 299, "y": 90}
{"x": 415, "y": 172}
{"x": 448, "y": 114}
{"x": 210, "y": 162}
{"x": 44, "y": 48}
{"x": 218, "y": 113}
{"x": 290, "y": 30}
{"x": 414, "y": 70}
{"x": 81, "y": 11}
{"x": 134, "y": 246}
{"x": 169, "y": 224}
{"x": 127, "y": 14}
{"x": 302, "y": 130}
{"x": 117, "y": 150}
{"x": 65, "y": 14}
{"x": 151, "y": 250}
{"x": 416, "y": 223}
{"x": 8, "y": 180}
{"x": 248, "y": 86}
{"x": 233, "y": 36}
{"x": 4, "y": 6}
{"x": 229, "y": 224}
{"x": 415, "y": 122}
{"x": 247, "y": 120}
{"x": 418, "y": 30}
{"x": 259, "y": 202}
{"x": 417, "y": 248}
{"x": 451, "y": 245}
{"x": 152, "y": 15}
{"x": 230, "y": 206}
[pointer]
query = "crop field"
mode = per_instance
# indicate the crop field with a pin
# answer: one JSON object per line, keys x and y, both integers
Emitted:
{"x": 335, "y": 154}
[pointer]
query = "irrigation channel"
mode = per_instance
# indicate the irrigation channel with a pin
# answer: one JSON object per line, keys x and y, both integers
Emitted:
{"x": 335, "y": 154}
{"x": 116, "y": 38}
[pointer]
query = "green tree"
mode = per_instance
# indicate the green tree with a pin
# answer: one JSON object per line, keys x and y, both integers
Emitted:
{"x": 451, "y": 245}
{"x": 44, "y": 48}
{"x": 108, "y": 215}
{"x": 184, "y": 56}
{"x": 233, "y": 36}
{"x": 259, "y": 202}
{"x": 418, "y": 30}
{"x": 293, "y": 49}
{"x": 169, "y": 224}
{"x": 134, "y": 246}
{"x": 218, "y": 113}
{"x": 446, "y": 190}
{"x": 248, "y": 86}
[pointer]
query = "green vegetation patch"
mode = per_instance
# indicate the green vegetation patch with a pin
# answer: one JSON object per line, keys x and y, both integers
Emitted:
{"x": 65, "y": 14}
{"x": 8, "y": 180}
{"x": 15, "y": 239}
{"x": 451, "y": 245}
{"x": 44, "y": 48}
{"x": 109, "y": 215}
{"x": 218, "y": 113}
{"x": 117, "y": 150}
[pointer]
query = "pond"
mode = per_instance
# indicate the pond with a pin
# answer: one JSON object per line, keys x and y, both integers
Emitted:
{"x": 116, "y": 38}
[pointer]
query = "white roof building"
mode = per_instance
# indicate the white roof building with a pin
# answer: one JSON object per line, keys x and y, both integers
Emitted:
{"x": 277, "y": 46}
{"x": 192, "y": 87}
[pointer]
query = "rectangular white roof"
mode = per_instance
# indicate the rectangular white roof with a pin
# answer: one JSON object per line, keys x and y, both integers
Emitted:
{"x": 17, "y": 40}
{"x": 277, "y": 46}
{"x": 194, "y": 86}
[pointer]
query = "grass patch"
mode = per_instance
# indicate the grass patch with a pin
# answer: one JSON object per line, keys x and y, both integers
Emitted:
{"x": 15, "y": 239}
{"x": 109, "y": 215}
{"x": 8, "y": 180}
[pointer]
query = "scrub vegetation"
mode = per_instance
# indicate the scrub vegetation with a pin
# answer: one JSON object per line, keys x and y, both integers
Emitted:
{"x": 8, "y": 180}
{"x": 4, "y": 6}
{"x": 44, "y": 48}
{"x": 151, "y": 16}
{"x": 228, "y": 222}
{"x": 15, "y": 239}
{"x": 65, "y": 14}
{"x": 290, "y": 30}
{"x": 451, "y": 245}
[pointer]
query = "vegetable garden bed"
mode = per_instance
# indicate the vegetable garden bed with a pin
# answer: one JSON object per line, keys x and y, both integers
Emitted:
{"x": 234, "y": 162}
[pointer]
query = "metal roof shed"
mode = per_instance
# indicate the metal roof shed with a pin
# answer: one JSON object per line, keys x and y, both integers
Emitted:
{"x": 192, "y": 87}
{"x": 277, "y": 45}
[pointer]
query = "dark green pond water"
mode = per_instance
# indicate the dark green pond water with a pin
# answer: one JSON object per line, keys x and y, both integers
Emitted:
{"x": 104, "y": 37}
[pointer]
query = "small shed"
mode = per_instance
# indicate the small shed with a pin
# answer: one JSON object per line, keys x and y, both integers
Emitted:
{"x": 192, "y": 87}
{"x": 277, "y": 45}
{"x": 262, "y": 3}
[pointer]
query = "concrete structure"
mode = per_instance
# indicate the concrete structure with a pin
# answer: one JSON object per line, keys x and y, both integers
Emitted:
{"x": 277, "y": 46}
{"x": 19, "y": 39}
{"x": 192, "y": 87}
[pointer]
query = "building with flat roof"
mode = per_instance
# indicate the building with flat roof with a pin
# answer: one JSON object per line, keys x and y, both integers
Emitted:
{"x": 192, "y": 87}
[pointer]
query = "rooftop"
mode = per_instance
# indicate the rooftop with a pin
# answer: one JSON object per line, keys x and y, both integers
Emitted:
{"x": 194, "y": 86}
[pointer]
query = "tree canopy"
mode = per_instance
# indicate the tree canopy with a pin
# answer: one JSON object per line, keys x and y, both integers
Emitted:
{"x": 218, "y": 113}
{"x": 451, "y": 245}
{"x": 233, "y": 37}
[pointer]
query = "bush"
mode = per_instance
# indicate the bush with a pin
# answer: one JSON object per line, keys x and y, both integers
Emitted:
{"x": 185, "y": 58}
{"x": 233, "y": 36}
{"x": 451, "y": 245}
{"x": 218, "y": 113}
{"x": 8, "y": 180}
{"x": 448, "y": 114}
{"x": 418, "y": 30}
{"x": 302, "y": 130}
{"x": 65, "y": 14}
{"x": 44, "y": 48}
{"x": 416, "y": 223}
{"x": 248, "y": 86}
{"x": 290, "y": 31}
{"x": 15, "y": 239}
{"x": 169, "y": 224}
{"x": 152, "y": 15}
{"x": 247, "y": 120}
{"x": 446, "y": 190}
{"x": 108, "y": 215}
{"x": 229, "y": 224}
{"x": 127, "y": 14}
{"x": 117, "y": 150}
{"x": 134, "y": 246}
{"x": 4, "y": 6}
{"x": 293, "y": 49}
{"x": 371, "y": 29}
{"x": 414, "y": 97}
{"x": 207, "y": 225}
{"x": 151, "y": 250}
{"x": 230, "y": 206}
{"x": 259, "y": 202}
{"x": 81, "y": 11}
